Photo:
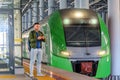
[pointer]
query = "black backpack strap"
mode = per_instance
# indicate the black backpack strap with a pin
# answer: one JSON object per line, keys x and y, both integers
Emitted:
{"x": 29, "y": 47}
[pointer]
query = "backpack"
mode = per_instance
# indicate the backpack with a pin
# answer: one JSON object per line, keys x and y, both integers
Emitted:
{"x": 29, "y": 47}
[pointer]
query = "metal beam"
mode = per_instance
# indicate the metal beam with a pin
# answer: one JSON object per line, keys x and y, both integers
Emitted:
{"x": 101, "y": 7}
{"x": 96, "y": 1}
{"x": 29, "y": 3}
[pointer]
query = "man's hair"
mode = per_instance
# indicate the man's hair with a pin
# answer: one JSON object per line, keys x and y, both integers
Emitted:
{"x": 35, "y": 24}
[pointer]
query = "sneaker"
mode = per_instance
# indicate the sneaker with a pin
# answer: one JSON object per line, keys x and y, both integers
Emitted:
{"x": 31, "y": 75}
{"x": 40, "y": 74}
{"x": 33, "y": 78}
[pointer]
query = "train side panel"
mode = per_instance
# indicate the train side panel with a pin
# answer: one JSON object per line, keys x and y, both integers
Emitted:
{"x": 105, "y": 61}
{"x": 58, "y": 42}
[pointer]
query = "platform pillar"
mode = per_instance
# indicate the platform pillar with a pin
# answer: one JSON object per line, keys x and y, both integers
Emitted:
{"x": 50, "y": 6}
{"x": 81, "y": 4}
{"x": 114, "y": 26}
{"x": 63, "y": 4}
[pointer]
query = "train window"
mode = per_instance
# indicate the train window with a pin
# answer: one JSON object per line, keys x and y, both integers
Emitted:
{"x": 82, "y": 36}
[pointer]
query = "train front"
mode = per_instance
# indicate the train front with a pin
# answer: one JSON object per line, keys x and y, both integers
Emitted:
{"x": 86, "y": 42}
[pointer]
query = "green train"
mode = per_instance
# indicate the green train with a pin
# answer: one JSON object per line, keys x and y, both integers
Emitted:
{"x": 77, "y": 40}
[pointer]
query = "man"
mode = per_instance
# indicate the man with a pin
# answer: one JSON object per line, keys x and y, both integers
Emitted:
{"x": 36, "y": 37}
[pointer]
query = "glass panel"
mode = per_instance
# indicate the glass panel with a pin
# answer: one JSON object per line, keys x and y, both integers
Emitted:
{"x": 6, "y": 4}
{"x": 4, "y": 43}
{"x": 17, "y": 56}
{"x": 25, "y": 52}
{"x": 82, "y": 36}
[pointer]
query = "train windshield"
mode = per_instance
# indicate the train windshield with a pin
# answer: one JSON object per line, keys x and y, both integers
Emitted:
{"x": 82, "y": 36}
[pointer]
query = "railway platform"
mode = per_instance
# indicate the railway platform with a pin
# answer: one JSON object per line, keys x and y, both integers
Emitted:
{"x": 52, "y": 73}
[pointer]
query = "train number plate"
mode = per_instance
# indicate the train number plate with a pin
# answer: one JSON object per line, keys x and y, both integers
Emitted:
{"x": 86, "y": 67}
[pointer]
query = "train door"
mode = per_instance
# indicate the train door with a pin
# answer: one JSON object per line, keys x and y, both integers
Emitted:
{"x": 6, "y": 41}
{"x": 46, "y": 45}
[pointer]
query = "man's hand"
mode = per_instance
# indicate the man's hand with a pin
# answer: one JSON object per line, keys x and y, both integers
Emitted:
{"x": 41, "y": 38}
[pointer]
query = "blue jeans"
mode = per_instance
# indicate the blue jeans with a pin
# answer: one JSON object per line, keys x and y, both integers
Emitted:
{"x": 35, "y": 54}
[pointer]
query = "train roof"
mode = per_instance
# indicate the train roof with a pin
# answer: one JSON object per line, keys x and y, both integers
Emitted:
{"x": 78, "y": 13}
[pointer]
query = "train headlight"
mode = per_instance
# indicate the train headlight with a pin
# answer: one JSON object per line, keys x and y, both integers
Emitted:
{"x": 65, "y": 53}
{"x": 66, "y": 21}
{"x": 93, "y": 21}
{"x": 102, "y": 53}
{"x": 78, "y": 15}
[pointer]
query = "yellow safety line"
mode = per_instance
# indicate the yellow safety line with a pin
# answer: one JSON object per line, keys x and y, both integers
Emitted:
{"x": 38, "y": 77}
{"x": 45, "y": 78}
{"x": 65, "y": 78}
{"x": 7, "y": 76}
{"x": 18, "y": 40}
